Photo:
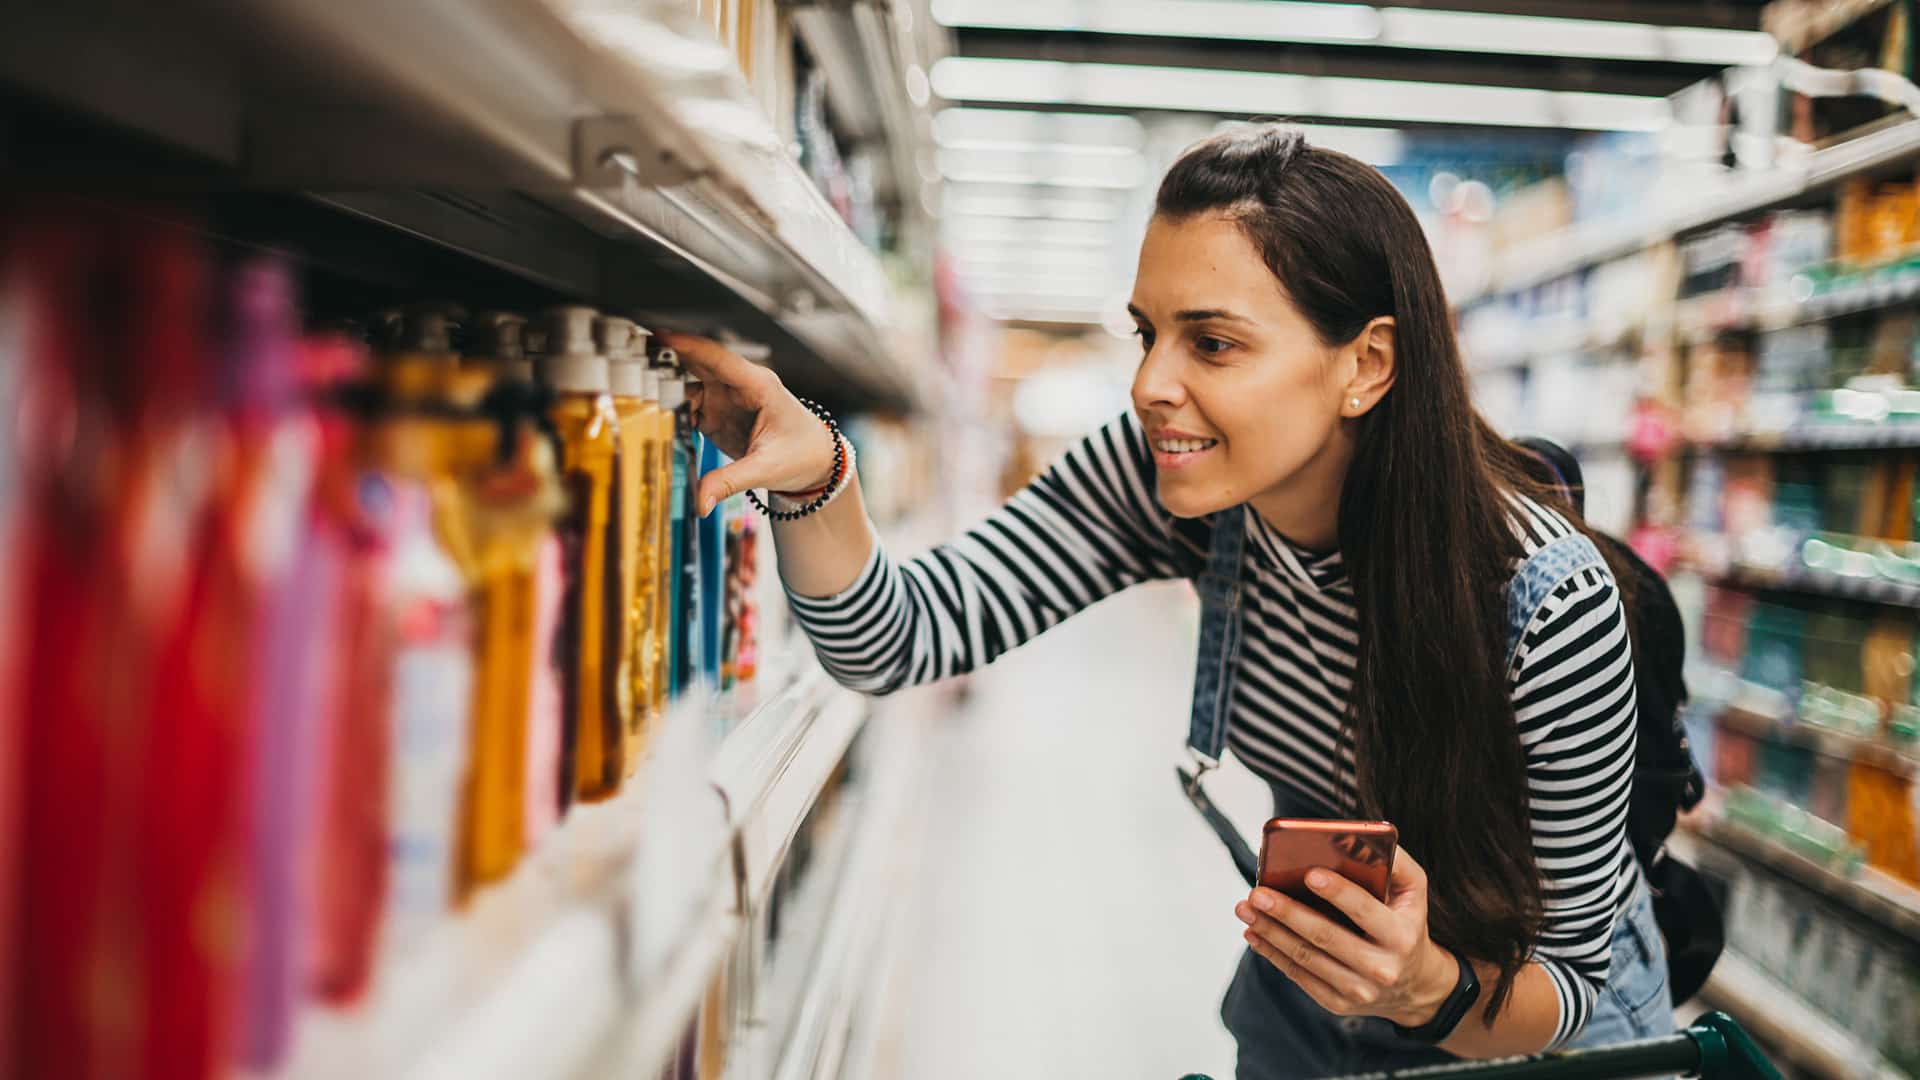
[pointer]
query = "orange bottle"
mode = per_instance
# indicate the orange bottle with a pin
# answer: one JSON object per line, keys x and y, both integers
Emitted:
{"x": 593, "y": 643}
{"x": 623, "y": 343}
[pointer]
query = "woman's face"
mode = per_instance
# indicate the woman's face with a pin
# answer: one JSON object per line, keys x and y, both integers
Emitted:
{"x": 1240, "y": 399}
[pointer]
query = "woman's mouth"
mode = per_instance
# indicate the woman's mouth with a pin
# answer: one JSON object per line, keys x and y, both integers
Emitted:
{"x": 1174, "y": 453}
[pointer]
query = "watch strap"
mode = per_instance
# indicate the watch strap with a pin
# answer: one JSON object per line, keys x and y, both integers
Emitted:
{"x": 1466, "y": 991}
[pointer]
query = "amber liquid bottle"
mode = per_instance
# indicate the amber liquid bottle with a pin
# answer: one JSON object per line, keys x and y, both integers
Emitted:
{"x": 515, "y": 496}
{"x": 622, "y": 343}
{"x": 670, "y": 394}
{"x": 593, "y": 645}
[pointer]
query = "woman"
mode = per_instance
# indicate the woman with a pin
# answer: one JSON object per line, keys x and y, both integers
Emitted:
{"x": 1299, "y": 380}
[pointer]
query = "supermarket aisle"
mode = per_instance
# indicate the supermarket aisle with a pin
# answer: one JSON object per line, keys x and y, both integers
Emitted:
{"x": 1075, "y": 917}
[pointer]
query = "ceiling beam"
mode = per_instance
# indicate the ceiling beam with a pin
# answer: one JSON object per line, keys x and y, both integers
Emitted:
{"x": 1349, "y": 61}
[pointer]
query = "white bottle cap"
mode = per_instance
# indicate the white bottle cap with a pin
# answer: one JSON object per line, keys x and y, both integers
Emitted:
{"x": 627, "y": 378}
{"x": 673, "y": 391}
{"x": 572, "y": 365}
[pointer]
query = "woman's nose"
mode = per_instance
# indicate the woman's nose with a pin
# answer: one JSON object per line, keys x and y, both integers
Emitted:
{"x": 1157, "y": 382}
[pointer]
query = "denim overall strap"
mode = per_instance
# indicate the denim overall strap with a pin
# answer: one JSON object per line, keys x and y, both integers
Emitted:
{"x": 1543, "y": 572}
{"x": 1220, "y": 622}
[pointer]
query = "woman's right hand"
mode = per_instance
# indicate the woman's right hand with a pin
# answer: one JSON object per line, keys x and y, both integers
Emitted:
{"x": 776, "y": 442}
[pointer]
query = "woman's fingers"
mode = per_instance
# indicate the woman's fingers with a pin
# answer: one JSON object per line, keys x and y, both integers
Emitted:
{"x": 710, "y": 361}
{"x": 1316, "y": 987}
{"x": 1373, "y": 918}
{"x": 1305, "y": 955}
{"x": 730, "y": 480}
{"x": 1322, "y": 932}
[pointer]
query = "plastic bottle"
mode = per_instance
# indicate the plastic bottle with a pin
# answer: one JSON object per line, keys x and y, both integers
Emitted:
{"x": 593, "y": 640}
{"x": 297, "y": 560}
{"x": 536, "y": 595}
{"x": 667, "y": 395}
{"x": 431, "y": 688}
{"x": 682, "y": 594}
{"x": 622, "y": 342}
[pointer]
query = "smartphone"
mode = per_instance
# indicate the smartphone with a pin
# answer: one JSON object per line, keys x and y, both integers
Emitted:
{"x": 1360, "y": 851}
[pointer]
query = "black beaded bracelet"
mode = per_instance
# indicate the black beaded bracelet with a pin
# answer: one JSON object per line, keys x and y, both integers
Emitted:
{"x": 839, "y": 476}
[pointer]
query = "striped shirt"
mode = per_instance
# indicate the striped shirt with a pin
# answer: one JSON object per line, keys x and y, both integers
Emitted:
{"x": 1091, "y": 526}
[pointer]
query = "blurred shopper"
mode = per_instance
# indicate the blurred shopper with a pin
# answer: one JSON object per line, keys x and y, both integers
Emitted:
{"x": 1301, "y": 409}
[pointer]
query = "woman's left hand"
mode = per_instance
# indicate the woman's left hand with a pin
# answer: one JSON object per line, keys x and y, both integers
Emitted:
{"x": 1394, "y": 970}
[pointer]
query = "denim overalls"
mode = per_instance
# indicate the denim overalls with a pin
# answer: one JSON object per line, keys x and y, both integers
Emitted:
{"x": 1283, "y": 1033}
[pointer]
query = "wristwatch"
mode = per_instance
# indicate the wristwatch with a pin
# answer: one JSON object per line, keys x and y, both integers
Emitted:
{"x": 1453, "y": 1010}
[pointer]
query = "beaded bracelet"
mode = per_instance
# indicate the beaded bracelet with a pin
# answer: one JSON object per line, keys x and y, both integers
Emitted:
{"x": 838, "y": 476}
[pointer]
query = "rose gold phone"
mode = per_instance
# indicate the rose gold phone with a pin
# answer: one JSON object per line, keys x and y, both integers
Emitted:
{"x": 1360, "y": 851}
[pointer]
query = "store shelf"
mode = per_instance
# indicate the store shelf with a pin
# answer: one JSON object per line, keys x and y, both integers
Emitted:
{"x": 870, "y": 885}
{"x": 1790, "y": 1026}
{"x": 1836, "y": 436}
{"x": 1592, "y": 243}
{"x": 1873, "y": 895}
{"x": 633, "y": 123}
{"x": 1871, "y": 590}
{"x": 583, "y": 920}
{"x": 1894, "y": 757}
{"x": 772, "y": 769}
{"x": 1800, "y": 30}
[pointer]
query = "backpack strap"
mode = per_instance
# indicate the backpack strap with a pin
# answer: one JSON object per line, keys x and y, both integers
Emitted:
{"x": 1220, "y": 624}
{"x": 1544, "y": 571}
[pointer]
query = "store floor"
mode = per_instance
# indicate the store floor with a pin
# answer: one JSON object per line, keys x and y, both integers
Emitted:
{"x": 1075, "y": 917}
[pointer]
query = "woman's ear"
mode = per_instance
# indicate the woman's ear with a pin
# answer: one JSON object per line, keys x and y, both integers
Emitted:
{"x": 1375, "y": 366}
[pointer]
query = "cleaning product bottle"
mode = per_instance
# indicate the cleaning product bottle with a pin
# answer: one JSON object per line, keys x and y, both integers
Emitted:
{"x": 712, "y": 531}
{"x": 593, "y": 641}
{"x": 622, "y": 342}
{"x": 431, "y": 688}
{"x": 536, "y": 587}
{"x": 297, "y": 561}
{"x": 667, "y": 394}
{"x": 681, "y": 553}
{"x": 516, "y": 696}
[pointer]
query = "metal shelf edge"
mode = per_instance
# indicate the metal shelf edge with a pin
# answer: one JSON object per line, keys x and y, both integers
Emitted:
{"x": 1870, "y": 899}
{"x": 1592, "y": 243}
{"x": 1783, "y": 1020}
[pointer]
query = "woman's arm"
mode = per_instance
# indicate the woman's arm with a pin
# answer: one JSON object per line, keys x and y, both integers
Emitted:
{"x": 1086, "y": 528}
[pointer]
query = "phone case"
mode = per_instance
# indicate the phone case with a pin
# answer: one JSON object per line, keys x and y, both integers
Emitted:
{"x": 1360, "y": 851}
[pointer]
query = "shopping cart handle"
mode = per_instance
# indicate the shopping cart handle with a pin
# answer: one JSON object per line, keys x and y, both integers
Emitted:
{"x": 1714, "y": 1048}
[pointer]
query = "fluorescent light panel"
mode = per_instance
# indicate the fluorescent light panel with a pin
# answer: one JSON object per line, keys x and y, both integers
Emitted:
{"x": 1194, "y": 90}
{"x": 1362, "y": 24}
{"x": 1092, "y": 181}
{"x": 1042, "y": 166}
{"x": 952, "y": 126}
{"x": 1376, "y": 146}
{"x": 970, "y": 232}
{"x": 1029, "y": 205}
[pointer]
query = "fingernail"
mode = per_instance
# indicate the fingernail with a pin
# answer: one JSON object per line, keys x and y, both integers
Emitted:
{"x": 1318, "y": 880}
{"x": 1263, "y": 901}
{"x": 1243, "y": 913}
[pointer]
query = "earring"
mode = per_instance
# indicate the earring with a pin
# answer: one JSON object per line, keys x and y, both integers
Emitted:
{"x": 1356, "y": 403}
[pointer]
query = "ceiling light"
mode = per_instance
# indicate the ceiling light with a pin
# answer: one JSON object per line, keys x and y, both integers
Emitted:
{"x": 1028, "y": 206}
{"x": 963, "y": 230}
{"x": 1251, "y": 92}
{"x": 1379, "y": 147}
{"x": 1272, "y": 20}
{"x": 1042, "y": 166}
{"x": 1021, "y": 125}
{"x": 1050, "y": 180}
{"x": 1362, "y": 24}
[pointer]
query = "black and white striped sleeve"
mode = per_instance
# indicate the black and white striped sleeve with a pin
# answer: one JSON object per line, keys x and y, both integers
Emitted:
{"x": 1084, "y": 529}
{"x": 1573, "y": 695}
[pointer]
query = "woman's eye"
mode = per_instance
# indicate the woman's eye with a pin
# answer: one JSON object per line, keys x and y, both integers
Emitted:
{"x": 1145, "y": 336}
{"x": 1211, "y": 346}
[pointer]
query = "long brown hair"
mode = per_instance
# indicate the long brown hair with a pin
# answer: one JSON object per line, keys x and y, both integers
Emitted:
{"x": 1425, "y": 532}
